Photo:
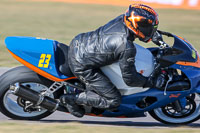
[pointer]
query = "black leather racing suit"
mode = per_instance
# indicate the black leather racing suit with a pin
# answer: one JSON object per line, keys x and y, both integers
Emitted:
{"x": 106, "y": 45}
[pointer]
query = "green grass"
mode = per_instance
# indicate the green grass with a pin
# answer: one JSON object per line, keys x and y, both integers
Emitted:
{"x": 81, "y": 128}
{"x": 62, "y": 21}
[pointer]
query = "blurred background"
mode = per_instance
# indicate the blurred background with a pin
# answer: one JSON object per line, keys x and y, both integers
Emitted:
{"x": 61, "y": 20}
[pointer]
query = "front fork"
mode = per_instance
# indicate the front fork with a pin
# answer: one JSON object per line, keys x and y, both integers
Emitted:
{"x": 180, "y": 104}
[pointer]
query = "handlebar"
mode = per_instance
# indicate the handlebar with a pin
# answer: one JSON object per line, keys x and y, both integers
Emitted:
{"x": 162, "y": 43}
{"x": 164, "y": 48}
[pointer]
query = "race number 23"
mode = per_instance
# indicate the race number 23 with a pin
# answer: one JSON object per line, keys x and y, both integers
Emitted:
{"x": 44, "y": 60}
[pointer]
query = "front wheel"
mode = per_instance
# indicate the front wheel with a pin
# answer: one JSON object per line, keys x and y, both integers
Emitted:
{"x": 15, "y": 107}
{"x": 189, "y": 112}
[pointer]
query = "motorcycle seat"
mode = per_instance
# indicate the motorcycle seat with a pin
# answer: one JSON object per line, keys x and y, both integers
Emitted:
{"x": 62, "y": 58}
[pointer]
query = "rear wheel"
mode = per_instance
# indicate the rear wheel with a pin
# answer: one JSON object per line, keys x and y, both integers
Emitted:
{"x": 189, "y": 113}
{"x": 15, "y": 107}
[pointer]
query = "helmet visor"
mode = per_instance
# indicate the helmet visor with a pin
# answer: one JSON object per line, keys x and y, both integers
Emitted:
{"x": 147, "y": 29}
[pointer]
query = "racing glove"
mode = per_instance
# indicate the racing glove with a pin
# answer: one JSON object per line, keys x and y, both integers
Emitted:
{"x": 157, "y": 38}
{"x": 155, "y": 82}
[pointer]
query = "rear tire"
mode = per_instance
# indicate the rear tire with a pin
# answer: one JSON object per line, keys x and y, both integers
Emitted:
{"x": 22, "y": 75}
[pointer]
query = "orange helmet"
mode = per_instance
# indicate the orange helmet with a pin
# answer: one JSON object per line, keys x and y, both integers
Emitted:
{"x": 142, "y": 20}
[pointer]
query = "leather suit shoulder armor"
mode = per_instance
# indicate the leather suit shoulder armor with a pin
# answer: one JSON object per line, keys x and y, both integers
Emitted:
{"x": 115, "y": 26}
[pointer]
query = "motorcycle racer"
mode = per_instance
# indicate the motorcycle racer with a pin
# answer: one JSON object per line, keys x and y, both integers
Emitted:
{"x": 106, "y": 45}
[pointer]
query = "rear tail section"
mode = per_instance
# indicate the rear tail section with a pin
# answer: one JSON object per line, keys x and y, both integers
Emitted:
{"x": 37, "y": 54}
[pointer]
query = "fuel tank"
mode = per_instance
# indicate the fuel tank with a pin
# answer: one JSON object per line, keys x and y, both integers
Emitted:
{"x": 144, "y": 62}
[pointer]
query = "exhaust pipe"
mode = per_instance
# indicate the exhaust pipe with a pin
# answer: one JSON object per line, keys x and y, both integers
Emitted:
{"x": 40, "y": 100}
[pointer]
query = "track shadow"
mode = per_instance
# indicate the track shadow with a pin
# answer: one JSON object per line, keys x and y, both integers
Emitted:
{"x": 122, "y": 123}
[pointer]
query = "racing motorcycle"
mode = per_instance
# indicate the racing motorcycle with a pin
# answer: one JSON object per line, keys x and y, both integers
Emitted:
{"x": 32, "y": 91}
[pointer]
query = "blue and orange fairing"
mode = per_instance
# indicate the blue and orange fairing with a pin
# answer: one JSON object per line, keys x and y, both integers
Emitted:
{"x": 37, "y": 54}
{"x": 188, "y": 62}
{"x": 194, "y": 54}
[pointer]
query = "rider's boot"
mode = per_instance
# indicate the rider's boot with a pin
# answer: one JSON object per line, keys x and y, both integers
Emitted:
{"x": 69, "y": 101}
{"x": 90, "y": 98}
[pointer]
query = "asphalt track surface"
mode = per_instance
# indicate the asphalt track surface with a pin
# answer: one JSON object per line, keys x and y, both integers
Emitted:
{"x": 60, "y": 117}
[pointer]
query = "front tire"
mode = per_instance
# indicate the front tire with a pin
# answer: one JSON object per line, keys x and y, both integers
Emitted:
{"x": 12, "y": 108}
{"x": 169, "y": 115}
